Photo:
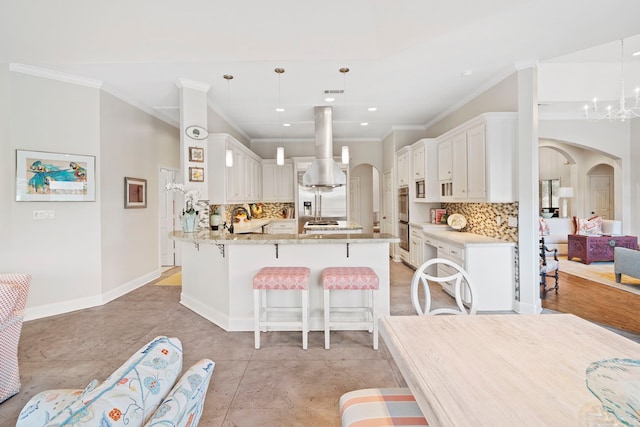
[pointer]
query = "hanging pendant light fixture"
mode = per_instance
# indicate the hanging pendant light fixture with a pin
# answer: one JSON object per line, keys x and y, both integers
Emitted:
{"x": 345, "y": 154}
{"x": 623, "y": 113}
{"x": 279, "y": 109}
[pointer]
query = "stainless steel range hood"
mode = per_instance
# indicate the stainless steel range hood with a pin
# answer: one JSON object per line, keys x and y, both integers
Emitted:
{"x": 324, "y": 171}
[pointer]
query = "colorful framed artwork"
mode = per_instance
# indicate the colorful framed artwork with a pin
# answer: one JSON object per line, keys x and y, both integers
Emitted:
{"x": 196, "y": 174}
{"x": 54, "y": 177}
{"x": 196, "y": 154}
{"x": 135, "y": 193}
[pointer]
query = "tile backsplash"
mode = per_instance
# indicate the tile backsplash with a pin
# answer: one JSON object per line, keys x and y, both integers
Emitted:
{"x": 269, "y": 210}
{"x": 482, "y": 218}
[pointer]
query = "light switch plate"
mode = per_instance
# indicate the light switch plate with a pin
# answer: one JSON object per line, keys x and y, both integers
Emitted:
{"x": 513, "y": 221}
{"x": 41, "y": 215}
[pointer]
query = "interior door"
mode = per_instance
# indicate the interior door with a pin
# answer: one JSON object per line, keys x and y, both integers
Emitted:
{"x": 167, "y": 217}
{"x": 600, "y": 196}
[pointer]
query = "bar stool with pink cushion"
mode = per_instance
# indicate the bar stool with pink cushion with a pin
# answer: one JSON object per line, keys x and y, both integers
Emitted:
{"x": 350, "y": 279}
{"x": 280, "y": 279}
{"x": 14, "y": 289}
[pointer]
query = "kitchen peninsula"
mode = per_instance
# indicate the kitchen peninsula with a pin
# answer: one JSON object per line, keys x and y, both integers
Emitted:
{"x": 218, "y": 269}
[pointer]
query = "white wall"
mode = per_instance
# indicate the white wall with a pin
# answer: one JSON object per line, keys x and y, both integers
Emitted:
{"x": 132, "y": 144}
{"x": 95, "y": 251}
{"x": 365, "y": 174}
{"x": 63, "y": 254}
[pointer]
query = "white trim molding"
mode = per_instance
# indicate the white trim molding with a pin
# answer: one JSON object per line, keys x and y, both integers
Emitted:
{"x": 55, "y": 75}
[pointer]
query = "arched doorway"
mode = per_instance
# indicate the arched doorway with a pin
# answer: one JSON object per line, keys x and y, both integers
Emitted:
{"x": 600, "y": 194}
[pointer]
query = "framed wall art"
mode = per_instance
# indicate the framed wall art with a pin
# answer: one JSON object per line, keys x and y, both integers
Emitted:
{"x": 135, "y": 193}
{"x": 54, "y": 177}
{"x": 196, "y": 174}
{"x": 196, "y": 154}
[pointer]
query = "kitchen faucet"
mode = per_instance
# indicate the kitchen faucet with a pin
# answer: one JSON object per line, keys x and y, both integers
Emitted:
{"x": 233, "y": 216}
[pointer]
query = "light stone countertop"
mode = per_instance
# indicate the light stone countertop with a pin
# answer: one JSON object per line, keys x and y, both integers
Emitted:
{"x": 218, "y": 238}
{"x": 342, "y": 225}
{"x": 251, "y": 226}
{"x": 464, "y": 239}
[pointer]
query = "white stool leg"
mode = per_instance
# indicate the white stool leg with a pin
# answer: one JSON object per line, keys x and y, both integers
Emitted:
{"x": 256, "y": 317}
{"x": 327, "y": 318}
{"x": 305, "y": 319}
{"x": 374, "y": 318}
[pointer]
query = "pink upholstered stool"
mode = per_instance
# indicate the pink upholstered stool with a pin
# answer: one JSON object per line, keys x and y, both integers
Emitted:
{"x": 349, "y": 279}
{"x": 280, "y": 279}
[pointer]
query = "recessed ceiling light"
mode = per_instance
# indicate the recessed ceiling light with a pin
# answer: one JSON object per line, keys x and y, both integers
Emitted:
{"x": 364, "y": 124}
{"x": 279, "y": 109}
{"x": 636, "y": 53}
{"x": 466, "y": 73}
{"x": 329, "y": 99}
{"x": 372, "y": 108}
{"x": 286, "y": 125}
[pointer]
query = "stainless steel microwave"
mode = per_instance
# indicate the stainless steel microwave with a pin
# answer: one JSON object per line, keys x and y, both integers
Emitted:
{"x": 420, "y": 189}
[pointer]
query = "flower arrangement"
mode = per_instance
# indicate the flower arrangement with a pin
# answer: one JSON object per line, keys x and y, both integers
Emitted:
{"x": 191, "y": 197}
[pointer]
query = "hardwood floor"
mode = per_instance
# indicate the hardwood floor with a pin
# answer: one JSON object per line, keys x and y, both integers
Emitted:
{"x": 595, "y": 302}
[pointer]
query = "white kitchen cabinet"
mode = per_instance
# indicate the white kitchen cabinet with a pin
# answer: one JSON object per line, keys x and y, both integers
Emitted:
{"x": 282, "y": 226}
{"x": 241, "y": 182}
{"x": 402, "y": 166}
{"x": 479, "y": 155}
{"x": 416, "y": 257}
{"x": 277, "y": 181}
{"x": 418, "y": 160}
{"x": 488, "y": 261}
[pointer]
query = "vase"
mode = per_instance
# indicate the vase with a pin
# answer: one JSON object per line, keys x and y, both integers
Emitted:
{"x": 189, "y": 222}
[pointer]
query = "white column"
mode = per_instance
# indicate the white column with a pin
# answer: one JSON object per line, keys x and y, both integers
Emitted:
{"x": 527, "y": 178}
{"x": 193, "y": 111}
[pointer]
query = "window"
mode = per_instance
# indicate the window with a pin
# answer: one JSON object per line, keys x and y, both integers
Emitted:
{"x": 549, "y": 201}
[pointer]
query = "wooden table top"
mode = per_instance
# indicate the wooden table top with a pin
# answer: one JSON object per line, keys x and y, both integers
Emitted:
{"x": 501, "y": 370}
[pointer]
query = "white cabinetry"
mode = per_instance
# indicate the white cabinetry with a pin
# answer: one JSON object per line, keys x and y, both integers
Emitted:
{"x": 416, "y": 257}
{"x": 282, "y": 226}
{"x": 402, "y": 165}
{"x": 277, "y": 181}
{"x": 241, "y": 182}
{"x": 475, "y": 160}
{"x": 418, "y": 160}
{"x": 489, "y": 262}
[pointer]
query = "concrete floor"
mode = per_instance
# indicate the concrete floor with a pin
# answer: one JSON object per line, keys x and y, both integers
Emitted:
{"x": 278, "y": 385}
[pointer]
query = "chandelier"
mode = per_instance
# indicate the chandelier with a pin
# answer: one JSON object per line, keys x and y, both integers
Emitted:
{"x": 623, "y": 113}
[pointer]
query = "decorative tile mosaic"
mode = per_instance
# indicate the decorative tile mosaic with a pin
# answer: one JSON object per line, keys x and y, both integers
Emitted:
{"x": 264, "y": 210}
{"x": 482, "y": 219}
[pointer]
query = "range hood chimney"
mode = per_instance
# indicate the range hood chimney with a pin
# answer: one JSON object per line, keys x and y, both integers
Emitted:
{"x": 324, "y": 171}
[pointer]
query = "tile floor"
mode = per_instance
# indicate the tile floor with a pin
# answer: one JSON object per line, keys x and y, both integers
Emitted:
{"x": 278, "y": 385}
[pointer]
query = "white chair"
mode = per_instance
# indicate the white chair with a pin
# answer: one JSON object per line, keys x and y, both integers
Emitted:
{"x": 384, "y": 407}
{"x": 454, "y": 276}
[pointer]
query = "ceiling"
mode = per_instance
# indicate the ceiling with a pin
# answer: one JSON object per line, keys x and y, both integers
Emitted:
{"x": 406, "y": 57}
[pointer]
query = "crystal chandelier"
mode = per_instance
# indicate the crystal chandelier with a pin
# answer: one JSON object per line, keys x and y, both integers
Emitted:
{"x": 624, "y": 112}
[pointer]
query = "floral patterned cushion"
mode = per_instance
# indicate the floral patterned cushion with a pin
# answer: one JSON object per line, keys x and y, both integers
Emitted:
{"x": 282, "y": 278}
{"x": 132, "y": 393}
{"x": 183, "y": 405}
{"x": 588, "y": 227}
{"x": 353, "y": 278}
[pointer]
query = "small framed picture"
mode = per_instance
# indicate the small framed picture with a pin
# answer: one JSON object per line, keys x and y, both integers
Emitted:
{"x": 196, "y": 174}
{"x": 196, "y": 154}
{"x": 135, "y": 193}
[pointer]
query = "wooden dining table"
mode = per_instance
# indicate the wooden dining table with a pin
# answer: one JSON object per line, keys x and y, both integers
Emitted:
{"x": 502, "y": 370}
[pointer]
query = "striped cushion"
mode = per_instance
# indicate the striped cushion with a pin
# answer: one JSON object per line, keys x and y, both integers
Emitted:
{"x": 380, "y": 407}
{"x": 355, "y": 278}
{"x": 282, "y": 278}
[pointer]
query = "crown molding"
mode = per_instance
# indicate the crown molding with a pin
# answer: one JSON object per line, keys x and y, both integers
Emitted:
{"x": 55, "y": 75}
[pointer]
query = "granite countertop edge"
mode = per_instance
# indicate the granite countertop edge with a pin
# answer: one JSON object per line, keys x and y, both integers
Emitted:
{"x": 208, "y": 237}
{"x": 466, "y": 239}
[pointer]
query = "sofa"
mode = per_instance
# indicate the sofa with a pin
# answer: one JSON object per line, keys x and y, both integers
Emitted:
{"x": 14, "y": 289}
{"x": 556, "y": 230}
{"x": 626, "y": 261}
{"x": 141, "y": 392}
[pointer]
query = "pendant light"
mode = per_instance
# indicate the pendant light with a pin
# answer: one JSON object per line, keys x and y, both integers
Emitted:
{"x": 345, "y": 148}
{"x": 279, "y": 109}
{"x": 345, "y": 154}
{"x": 228, "y": 159}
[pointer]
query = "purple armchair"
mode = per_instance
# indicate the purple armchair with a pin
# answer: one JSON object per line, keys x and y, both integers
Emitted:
{"x": 14, "y": 289}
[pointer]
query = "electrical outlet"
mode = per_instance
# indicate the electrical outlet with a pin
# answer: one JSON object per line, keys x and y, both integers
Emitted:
{"x": 498, "y": 220}
{"x": 41, "y": 215}
{"x": 512, "y": 221}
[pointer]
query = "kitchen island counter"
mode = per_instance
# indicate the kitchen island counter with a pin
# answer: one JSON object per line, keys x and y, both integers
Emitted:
{"x": 218, "y": 270}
